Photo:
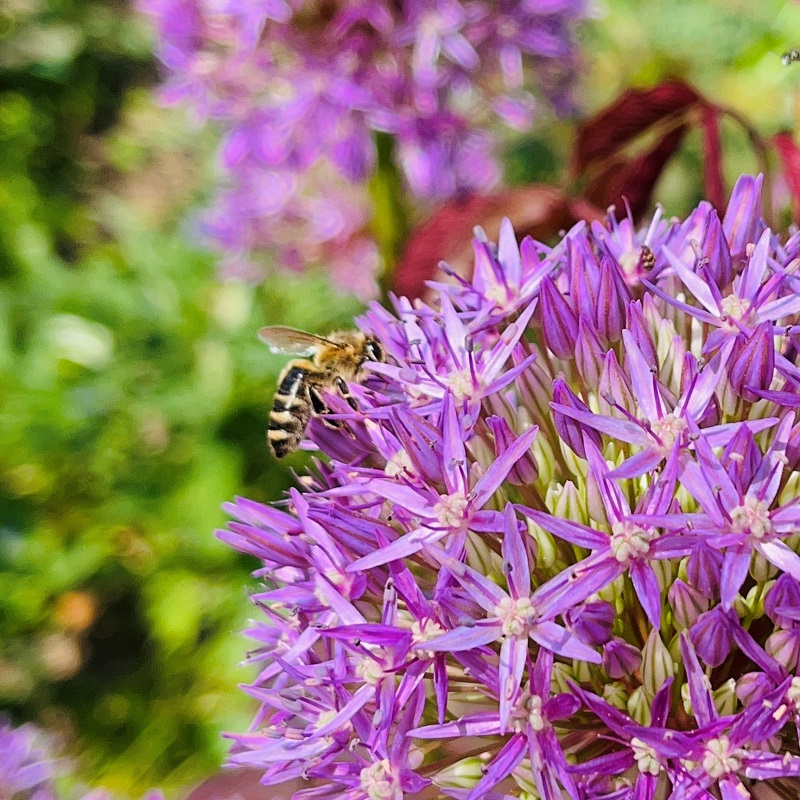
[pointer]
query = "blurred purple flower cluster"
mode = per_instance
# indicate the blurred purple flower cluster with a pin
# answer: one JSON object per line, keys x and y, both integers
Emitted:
{"x": 27, "y": 769}
{"x": 29, "y": 766}
{"x": 554, "y": 553}
{"x": 300, "y": 88}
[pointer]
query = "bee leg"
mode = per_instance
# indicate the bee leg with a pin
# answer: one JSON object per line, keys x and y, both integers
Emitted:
{"x": 320, "y": 409}
{"x": 341, "y": 385}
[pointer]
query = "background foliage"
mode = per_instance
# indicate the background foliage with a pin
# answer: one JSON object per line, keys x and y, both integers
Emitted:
{"x": 133, "y": 393}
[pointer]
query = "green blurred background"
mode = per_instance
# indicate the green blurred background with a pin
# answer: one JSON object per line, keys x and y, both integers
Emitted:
{"x": 134, "y": 394}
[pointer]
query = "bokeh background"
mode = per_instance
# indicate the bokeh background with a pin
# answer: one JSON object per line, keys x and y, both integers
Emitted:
{"x": 134, "y": 393}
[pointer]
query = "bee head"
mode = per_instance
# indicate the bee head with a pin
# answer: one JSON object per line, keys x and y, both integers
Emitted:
{"x": 373, "y": 350}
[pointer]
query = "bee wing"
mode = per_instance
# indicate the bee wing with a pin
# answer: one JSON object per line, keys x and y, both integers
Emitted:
{"x": 290, "y": 341}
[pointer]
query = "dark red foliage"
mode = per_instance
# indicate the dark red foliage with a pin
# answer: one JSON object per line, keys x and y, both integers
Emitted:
{"x": 608, "y": 156}
{"x": 628, "y": 117}
{"x": 538, "y": 210}
{"x": 789, "y": 155}
{"x": 633, "y": 180}
{"x": 712, "y": 158}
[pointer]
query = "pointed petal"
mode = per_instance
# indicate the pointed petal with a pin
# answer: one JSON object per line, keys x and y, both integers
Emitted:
{"x": 512, "y": 752}
{"x": 400, "y": 548}
{"x": 573, "y": 532}
{"x": 562, "y": 642}
{"x": 454, "y": 455}
{"x": 699, "y": 689}
{"x": 782, "y": 556}
{"x": 734, "y": 570}
{"x": 622, "y": 429}
{"x": 484, "y": 724}
{"x": 695, "y": 284}
{"x": 646, "y": 585}
{"x": 464, "y": 638}
{"x": 641, "y": 378}
{"x": 513, "y": 653}
{"x": 515, "y": 557}
{"x": 500, "y": 467}
{"x": 644, "y": 461}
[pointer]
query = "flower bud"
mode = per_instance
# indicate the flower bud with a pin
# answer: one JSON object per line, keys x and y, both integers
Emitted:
{"x": 752, "y": 686}
{"x": 569, "y": 504}
{"x": 686, "y": 699}
{"x": 664, "y": 570}
{"x": 545, "y": 459}
{"x": 616, "y": 694}
{"x": 792, "y": 487}
{"x": 589, "y": 353}
{"x": 560, "y": 679}
{"x": 793, "y": 453}
{"x": 570, "y": 430}
{"x": 612, "y": 296}
{"x": 525, "y": 470}
{"x": 464, "y": 774}
{"x": 752, "y": 362}
{"x": 614, "y": 388}
{"x": 673, "y": 359}
{"x": 782, "y": 602}
{"x": 545, "y": 545}
{"x": 559, "y": 321}
{"x": 703, "y": 570}
{"x": 639, "y": 706}
{"x": 743, "y": 218}
{"x": 583, "y": 671}
{"x": 535, "y": 387}
{"x": 687, "y": 603}
{"x": 523, "y": 776}
{"x": 753, "y": 605}
{"x": 725, "y": 699}
{"x": 784, "y": 647}
{"x": 620, "y": 659}
{"x": 636, "y": 324}
{"x": 591, "y": 622}
{"x": 657, "y": 664}
{"x": 714, "y": 250}
{"x": 712, "y": 637}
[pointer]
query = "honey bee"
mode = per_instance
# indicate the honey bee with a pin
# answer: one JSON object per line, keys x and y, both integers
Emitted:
{"x": 329, "y": 364}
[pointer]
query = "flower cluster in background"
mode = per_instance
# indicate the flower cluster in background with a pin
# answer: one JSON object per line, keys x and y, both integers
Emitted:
{"x": 29, "y": 770}
{"x": 301, "y": 88}
{"x": 554, "y": 552}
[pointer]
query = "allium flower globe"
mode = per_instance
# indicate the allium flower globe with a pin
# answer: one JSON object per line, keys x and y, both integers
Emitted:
{"x": 554, "y": 554}
{"x": 301, "y": 87}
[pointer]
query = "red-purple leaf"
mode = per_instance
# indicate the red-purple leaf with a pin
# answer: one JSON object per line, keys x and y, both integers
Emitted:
{"x": 539, "y": 210}
{"x": 629, "y": 116}
{"x": 712, "y": 158}
{"x": 635, "y": 179}
{"x": 789, "y": 155}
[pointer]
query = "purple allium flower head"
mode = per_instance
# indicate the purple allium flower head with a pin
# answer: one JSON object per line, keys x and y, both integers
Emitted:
{"x": 529, "y": 571}
{"x": 300, "y": 88}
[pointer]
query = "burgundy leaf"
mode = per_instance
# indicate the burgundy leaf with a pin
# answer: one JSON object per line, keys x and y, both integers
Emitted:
{"x": 636, "y": 178}
{"x": 789, "y": 155}
{"x": 629, "y": 116}
{"x": 712, "y": 158}
{"x": 538, "y": 210}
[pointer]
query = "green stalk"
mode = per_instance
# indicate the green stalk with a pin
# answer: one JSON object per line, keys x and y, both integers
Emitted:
{"x": 390, "y": 223}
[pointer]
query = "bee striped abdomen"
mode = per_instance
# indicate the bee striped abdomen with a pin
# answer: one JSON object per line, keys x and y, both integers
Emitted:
{"x": 290, "y": 411}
